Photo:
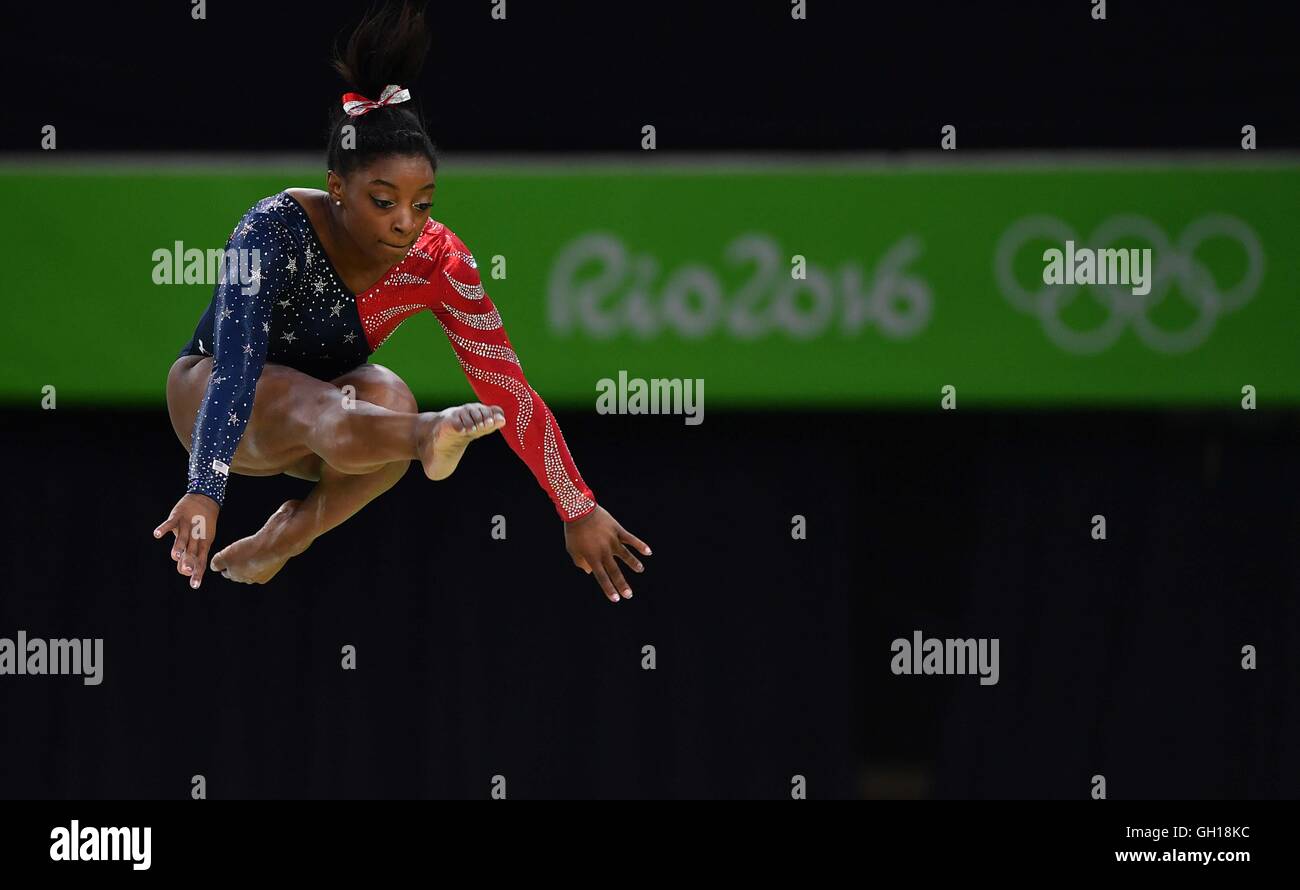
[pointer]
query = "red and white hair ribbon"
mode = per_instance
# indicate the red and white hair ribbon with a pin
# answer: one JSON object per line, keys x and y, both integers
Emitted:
{"x": 356, "y": 104}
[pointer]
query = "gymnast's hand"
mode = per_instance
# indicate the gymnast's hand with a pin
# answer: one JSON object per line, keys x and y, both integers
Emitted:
{"x": 594, "y": 540}
{"x": 194, "y": 523}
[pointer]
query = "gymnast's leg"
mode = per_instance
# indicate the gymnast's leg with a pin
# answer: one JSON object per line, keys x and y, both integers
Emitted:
{"x": 336, "y": 496}
{"x": 354, "y": 443}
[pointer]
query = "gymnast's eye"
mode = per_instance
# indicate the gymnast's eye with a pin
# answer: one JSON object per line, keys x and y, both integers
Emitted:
{"x": 381, "y": 203}
{"x": 424, "y": 207}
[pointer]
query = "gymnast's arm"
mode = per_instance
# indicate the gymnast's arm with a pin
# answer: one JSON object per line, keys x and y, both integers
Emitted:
{"x": 593, "y": 538}
{"x": 242, "y": 312}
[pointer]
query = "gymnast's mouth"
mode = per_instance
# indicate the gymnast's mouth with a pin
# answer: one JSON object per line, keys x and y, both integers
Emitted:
{"x": 404, "y": 247}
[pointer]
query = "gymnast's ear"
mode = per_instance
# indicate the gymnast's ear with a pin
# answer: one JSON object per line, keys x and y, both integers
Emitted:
{"x": 334, "y": 185}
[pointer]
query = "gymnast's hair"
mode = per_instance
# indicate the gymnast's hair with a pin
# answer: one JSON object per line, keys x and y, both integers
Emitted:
{"x": 388, "y": 45}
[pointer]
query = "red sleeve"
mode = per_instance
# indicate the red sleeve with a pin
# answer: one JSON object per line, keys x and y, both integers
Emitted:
{"x": 477, "y": 334}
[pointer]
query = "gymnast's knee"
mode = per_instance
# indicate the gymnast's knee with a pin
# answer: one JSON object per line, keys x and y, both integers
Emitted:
{"x": 384, "y": 388}
{"x": 336, "y": 437}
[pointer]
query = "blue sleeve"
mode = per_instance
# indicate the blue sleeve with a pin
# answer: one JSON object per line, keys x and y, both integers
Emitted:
{"x": 268, "y": 256}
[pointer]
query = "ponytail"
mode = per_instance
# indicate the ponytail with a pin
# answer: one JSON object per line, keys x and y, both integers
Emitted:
{"x": 388, "y": 46}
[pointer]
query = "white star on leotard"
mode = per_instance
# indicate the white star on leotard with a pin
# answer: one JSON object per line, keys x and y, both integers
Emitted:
{"x": 248, "y": 227}
{"x": 349, "y": 336}
{"x": 292, "y": 264}
{"x": 266, "y": 327}
{"x": 226, "y": 313}
{"x": 334, "y": 310}
{"x": 284, "y": 303}
{"x": 288, "y": 335}
{"x": 233, "y": 418}
{"x": 248, "y": 349}
{"x": 319, "y": 286}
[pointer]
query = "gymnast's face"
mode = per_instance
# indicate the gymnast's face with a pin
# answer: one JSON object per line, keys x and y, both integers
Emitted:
{"x": 385, "y": 204}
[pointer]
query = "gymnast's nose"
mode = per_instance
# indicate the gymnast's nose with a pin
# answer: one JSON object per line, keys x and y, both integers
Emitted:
{"x": 404, "y": 225}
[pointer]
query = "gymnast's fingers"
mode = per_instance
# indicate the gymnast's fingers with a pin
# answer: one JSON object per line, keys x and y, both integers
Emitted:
{"x": 628, "y": 538}
{"x": 626, "y": 555}
{"x": 603, "y": 579}
{"x": 181, "y": 546}
{"x": 168, "y": 525}
{"x": 616, "y": 578}
{"x": 190, "y": 561}
{"x": 200, "y": 560}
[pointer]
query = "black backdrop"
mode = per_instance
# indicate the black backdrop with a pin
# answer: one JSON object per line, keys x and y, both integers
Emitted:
{"x": 479, "y": 657}
{"x": 585, "y": 75}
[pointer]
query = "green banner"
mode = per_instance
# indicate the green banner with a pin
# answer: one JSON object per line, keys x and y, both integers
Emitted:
{"x": 773, "y": 285}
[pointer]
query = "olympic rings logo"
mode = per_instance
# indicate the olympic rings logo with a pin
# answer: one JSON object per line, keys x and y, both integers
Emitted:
{"x": 1175, "y": 263}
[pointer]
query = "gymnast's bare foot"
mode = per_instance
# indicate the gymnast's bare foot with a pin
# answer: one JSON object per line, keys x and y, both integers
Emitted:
{"x": 257, "y": 558}
{"x": 445, "y": 435}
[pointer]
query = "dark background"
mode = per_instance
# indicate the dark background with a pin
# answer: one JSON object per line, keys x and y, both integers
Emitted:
{"x": 727, "y": 74}
{"x": 478, "y": 657}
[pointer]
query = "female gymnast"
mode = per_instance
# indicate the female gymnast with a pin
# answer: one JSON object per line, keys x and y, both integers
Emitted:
{"x": 261, "y": 388}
